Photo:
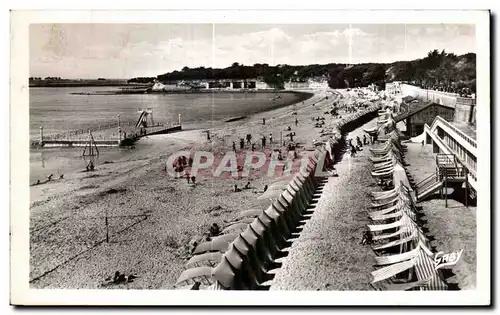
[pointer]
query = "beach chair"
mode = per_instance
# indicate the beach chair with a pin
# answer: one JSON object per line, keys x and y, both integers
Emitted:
{"x": 217, "y": 244}
{"x": 193, "y": 275}
{"x": 207, "y": 259}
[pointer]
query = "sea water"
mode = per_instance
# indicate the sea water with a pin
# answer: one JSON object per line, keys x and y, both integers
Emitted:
{"x": 59, "y": 110}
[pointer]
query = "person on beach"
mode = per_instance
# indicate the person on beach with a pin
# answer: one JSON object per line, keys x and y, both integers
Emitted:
{"x": 296, "y": 121}
{"x": 270, "y": 138}
{"x": 367, "y": 238}
{"x": 365, "y": 140}
{"x": 249, "y": 138}
{"x": 234, "y": 146}
{"x": 263, "y": 121}
{"x": 215, "y": 230}
{"x": 353, "y": 151}
{"x": 263, "y": 141}
{"x": 193, "y": 180}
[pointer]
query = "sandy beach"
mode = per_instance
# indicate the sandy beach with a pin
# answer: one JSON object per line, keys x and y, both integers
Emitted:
{"x": 152, "y": 218}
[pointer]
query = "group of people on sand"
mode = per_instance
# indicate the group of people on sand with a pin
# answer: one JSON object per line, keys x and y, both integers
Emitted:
{"x": 350, "y": 109}
{"x": 181, "y": 164}
{"x": 265, "y": 141}
{"x": 353, "y": 149}
{"x": 49, "y": 178}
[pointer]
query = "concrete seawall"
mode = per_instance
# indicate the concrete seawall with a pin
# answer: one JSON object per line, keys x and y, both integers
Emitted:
{"x": 465, "y": 108}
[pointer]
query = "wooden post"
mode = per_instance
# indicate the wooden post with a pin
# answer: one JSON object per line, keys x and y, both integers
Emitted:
{"x": 93, "y": 142}
{"x": 90, "y": 143}
{"x": 466, "y": 188}
{"x": 446, "y": 189}
{"x": 107, "y": 229}
{"x": 41, "y": 136}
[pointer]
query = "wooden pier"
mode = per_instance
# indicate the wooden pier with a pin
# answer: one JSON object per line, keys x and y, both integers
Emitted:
{"x": 111, "y": 135}
{"x": 127, "y": 140}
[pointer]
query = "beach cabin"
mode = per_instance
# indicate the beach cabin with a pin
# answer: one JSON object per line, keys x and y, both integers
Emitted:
{"x": 417, "y": 114}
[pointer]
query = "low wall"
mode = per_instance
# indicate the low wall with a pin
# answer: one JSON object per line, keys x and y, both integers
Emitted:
{"x": 443, "y": 98}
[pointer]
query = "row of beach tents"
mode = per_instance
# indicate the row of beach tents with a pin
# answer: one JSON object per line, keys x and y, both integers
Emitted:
{"x": 404, "y": 256}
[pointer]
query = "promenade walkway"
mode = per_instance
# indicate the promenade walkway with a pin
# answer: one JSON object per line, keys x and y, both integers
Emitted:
{"x": 327, "y": 255}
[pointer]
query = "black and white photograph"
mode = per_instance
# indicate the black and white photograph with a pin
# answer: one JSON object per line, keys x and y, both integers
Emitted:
{"x": 250, "y": 152}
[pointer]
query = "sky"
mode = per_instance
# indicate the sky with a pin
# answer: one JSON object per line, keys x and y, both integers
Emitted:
{"x": 132, "y": 50}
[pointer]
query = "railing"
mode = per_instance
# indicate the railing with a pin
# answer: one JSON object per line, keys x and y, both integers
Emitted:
{"x": 65, "y": 135}
{"x": 445, "y": 159}
{"x": 466, "y": 101}
{"x": 471, "y": 141}
{"x": 471, "y": 172}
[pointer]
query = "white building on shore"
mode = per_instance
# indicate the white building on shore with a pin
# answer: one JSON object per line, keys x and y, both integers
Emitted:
{"x": 224, "y": 84}
{"x": 316, "y": 83}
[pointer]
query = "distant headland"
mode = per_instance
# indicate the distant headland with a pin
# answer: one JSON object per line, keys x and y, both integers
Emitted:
{"x": 61, "y": 82}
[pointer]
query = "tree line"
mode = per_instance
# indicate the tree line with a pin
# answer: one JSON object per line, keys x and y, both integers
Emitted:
{"x": 436, "y": 69}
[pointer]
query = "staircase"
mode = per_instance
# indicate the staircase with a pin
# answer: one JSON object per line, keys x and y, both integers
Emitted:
{"x": 472, "y": 192}
{"x": 427, "y": 187}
